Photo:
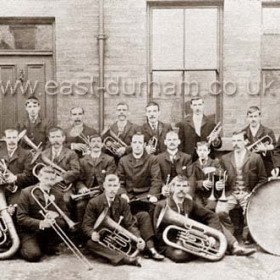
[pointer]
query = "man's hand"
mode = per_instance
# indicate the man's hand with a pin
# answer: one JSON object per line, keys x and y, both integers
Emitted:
{"x": 11, "y": 178}
{"x": 275, "y": 172}
{"x": 207, "y": 184}
{"x": 220, "y": 185}
{"x": 95, "y": 236}
{"x": 78, "y": 147}
{"x": 121, "y": 151}
{"x": 140, "y": 244}
{"x": 12, "y": 209}
{"x": 58, "y": 179}
{"x": 260, "y": 148}
{"x": 165, "y": 190}
{"x": 212, "y": 241}
{"x": 46, "y": 223}
{"x": 83, "y": 190}
{"x": 153, "y": 199}
{"x": 150, "y": 150}
{"x": 125, "y": 196}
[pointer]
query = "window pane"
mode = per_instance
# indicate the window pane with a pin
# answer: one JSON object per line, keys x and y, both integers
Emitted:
{"x": 167, "y": 38}
{"x": 167, "y": 92}
{"x": 271, "y": 37}
{"x": 26, "y": 37}
{"x": 201, "y": 36}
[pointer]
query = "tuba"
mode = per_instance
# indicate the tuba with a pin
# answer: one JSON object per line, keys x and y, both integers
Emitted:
{"x": 190, "y": 236}
{"x": 115, "y": 237}
{"x": 7, "y": 228}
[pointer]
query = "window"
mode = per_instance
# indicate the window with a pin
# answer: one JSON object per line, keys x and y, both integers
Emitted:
{"x": 184, "y": 58}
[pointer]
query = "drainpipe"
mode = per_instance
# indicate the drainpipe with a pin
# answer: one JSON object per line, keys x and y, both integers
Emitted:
{"x": 101, "y": 40}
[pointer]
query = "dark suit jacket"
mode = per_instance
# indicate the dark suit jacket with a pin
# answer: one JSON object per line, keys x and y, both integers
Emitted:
{"x": 276, "y": 154}
{"x": 118, "y": 208}
{"x": 192, "y": 210}
{"x": 103, "y": 166}
{"x": 87, "y": 131}
{"x": 37, "y": 133}
{"x": 141, "y": 176}
{"x": 68, "y": 160}
{"x": 263, "y": 131}
{"x": 189, "y": 138}
{"x": 129, "y": 130}
{"x": 182, "y": 164}
{"x": 163, "y": 128}
{"x": 253, "y": 171}
{"x": 28, "y": 215}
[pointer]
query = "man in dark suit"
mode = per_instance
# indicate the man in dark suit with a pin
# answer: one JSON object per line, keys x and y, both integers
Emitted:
{"x": 118, "y": 210}
{"x": 123, "y": 129}
{"x": 18, "y": 162}
{"x": 255, "y": 131}
{"x": 245, "y": 171}
{"x": 94, "y": 168}
{"x": 154, "y": 128}
{"x": 36, "y": 234}
{"x": 196, "y": 128}
{"x": 37, "y": 128}
{"x": 77, "y": 131}
{"x": 181, "y": 202}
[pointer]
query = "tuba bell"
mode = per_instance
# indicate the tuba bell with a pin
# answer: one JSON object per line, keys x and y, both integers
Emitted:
{"x": 115, "y": 237}
{"x": 7, "y": 228}
{"x": 190, "y": 236}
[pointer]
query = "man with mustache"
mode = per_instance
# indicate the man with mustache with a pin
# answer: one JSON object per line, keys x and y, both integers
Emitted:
{"x": 37, "y": 128}
{"x": 245, "y": 172}
{"x": 78, "y": 127}
{"x": 255, "y": 131}
{"x": 154, "y": 128}
{"x": 18, "y": 162}
{"x": 94, "y": 168}
{"x": 196, "y": 128}
{"x": 123, "y": 129}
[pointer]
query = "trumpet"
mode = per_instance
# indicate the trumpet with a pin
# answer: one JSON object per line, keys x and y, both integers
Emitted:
{"x": 190, "y": 236}
{"x": 223, "y": 195}
{"x": 5, "y": 173}
{"x": 92, "y": 192}
{"x": 114, "y": 237}
{"x": 253, "y": 146}
{"x": 209, "y": 171}
{"x": 213, "y": 134}
{"x": 52, "y": 215}
{"x": 112, "y": 143}
{"x": 62, "y": 186}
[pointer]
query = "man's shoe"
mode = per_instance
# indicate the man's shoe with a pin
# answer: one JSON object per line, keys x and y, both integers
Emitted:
{"x": 242, "y": 251}
{"x": 157, "y": 256}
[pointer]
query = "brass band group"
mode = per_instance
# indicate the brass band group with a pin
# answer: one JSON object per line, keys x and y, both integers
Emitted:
{"x": 132, "y": 190}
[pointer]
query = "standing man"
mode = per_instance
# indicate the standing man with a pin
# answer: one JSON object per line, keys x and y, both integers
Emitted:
{"x": 77, "y": 130}
{"x": 18, "y": 162}
{"x": 37, "y": 128}
{"x": 196, "y": 128}
{"x": 245, "y": 172}
{"x": 255, "y": 131}
{"x": 123, "y": 129}
{"x": 154, "y": 128}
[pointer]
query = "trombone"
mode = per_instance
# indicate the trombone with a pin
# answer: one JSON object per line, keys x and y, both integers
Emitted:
{"x": 261, "y": 140}
{"x": 49, "y": 215}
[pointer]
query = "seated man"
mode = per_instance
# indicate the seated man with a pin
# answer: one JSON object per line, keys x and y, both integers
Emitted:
{"x": 94, "y": 168}
{"x": 36, "y": 234}
{"x": 118, "y": 210}
{"x": 245, "y": 172}
{"x": 182, "y": 203}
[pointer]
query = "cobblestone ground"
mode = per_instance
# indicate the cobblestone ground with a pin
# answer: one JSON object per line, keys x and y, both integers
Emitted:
{"x": 66, "y": 266}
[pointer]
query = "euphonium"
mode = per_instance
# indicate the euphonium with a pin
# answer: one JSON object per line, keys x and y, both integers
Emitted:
{"x": 114, "y": 236}
{"x": 191, "y": 236}
{"x": 7, "y": 228}
{"x": 112, "y": 143}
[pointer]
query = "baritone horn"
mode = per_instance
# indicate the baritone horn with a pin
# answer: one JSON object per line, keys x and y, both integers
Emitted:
{"x": 112, "y": 143}
{"x": 114, "y": 237}
{"x": 51, "y": 216}
{"x": 190, "y": 236}
{"x": 266, "y": 140}
{"x": 7, "y": 228}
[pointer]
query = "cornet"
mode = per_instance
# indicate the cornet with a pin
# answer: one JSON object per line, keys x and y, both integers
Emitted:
{"x": 253, "y": 146}
{"x": 58, "y": 170}
{"x": 223, "y": 179}
{"x": 114, "y": 237}
{"x": 190, "y": 236}
{"x": 216, "y": 131}
{"x": 51, "y": 215}
{"x": 153, "y": 142}
{"x": 209, "y": 171}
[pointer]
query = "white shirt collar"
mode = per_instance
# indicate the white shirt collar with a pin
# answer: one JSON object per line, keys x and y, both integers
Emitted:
{"x": 172, "y": 153}
{"x": 95, "y": 155}
{"x": 254, "y": 130}
{"x": 56, "y": 151}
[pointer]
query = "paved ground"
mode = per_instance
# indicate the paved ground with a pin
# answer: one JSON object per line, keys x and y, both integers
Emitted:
{"x": 66, "y": 266}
